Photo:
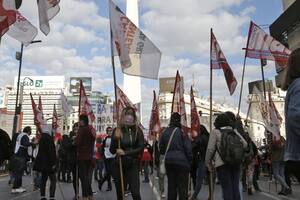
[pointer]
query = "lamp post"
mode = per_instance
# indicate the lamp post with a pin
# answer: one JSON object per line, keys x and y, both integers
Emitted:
{"x": 19, "y": 56}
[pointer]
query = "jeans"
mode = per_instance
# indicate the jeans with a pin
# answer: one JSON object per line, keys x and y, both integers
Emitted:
{"x": 229, "y": 176}
{"x": 278, "y": 171}
{"x": 178, "y": 179}
{"x": 52, "y": 188}
{"x": 107, "y": 175}
{"x": 18, "y": 172}
{"x": 131, "y": 177}
{"x": 85, "y": 171}
{"x": 146, "y": 170}
{"x": 201, "y": 172}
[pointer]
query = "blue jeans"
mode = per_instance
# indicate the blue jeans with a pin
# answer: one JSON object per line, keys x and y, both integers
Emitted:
{"x": 278, "y": 171}
{"x": 201, "y": 172}
{"x": 229, "y": 176}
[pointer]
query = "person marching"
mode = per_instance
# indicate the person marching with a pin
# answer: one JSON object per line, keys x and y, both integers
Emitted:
{"x": 108, "y": 159}
{"x": 84, "y": 142}
{"x": 177, "y": 150}
{"x": 46, "y": 162}
{"x": 127, "y": 143}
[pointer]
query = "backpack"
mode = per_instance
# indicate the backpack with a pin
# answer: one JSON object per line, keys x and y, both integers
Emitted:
{"x": 6, "y": 149}
{"x": 231, "y": 149}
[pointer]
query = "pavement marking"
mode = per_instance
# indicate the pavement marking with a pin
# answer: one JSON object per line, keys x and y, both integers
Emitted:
{"x": 154, "y": 190}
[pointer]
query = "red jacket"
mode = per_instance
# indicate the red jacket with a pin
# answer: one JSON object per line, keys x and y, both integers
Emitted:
{"x": 85, "y": 141}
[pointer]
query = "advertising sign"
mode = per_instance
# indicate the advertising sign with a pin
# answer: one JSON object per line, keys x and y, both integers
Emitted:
{"x": 75, "y": 84}
{"x": 41, "y": 82}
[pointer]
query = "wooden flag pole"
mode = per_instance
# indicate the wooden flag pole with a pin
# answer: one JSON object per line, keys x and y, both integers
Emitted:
{"x": 116, "y": 110}
{"x": 210, "y": 118}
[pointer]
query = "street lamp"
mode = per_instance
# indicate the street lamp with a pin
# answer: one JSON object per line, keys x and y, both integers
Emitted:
{"x": 19, "y": 56}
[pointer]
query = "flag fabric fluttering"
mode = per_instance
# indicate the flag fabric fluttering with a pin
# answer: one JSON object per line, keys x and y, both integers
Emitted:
{"x": 38, "y": 116}
{"x": 138, "y": 55}
{"x": 66, "y": 107}
{"x": 261, "y": 45}
{"x": 275, "y": 119}
{"x": 85, "y": 106}
{"x": 40, "y": 106}
{"x": 8, "y": 15}
{"x": 47, "y": 10}
{"x": 195, "y": 121}
{"x": 178, "y": 103}
{"x": 22, "y": 30}
{"x": 123, "y": 102}
{"x": 154, "y": 124}
{"x": 218, "y": 61}
{"x": 55, "y": 125}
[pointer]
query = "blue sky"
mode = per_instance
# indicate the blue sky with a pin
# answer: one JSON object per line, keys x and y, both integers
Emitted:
{"x": 78, "y": 44}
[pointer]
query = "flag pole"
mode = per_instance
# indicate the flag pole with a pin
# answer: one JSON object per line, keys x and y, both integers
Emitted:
{"x": 262, "y": 64}
{"x": 242, "y": 85}
{"x": 116, "y": 110}
{"x": 210, "y": 118}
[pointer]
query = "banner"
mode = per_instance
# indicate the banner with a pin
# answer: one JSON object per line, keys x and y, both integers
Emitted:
{"x": 138, "y": 55}
{"x": 47, "y": 10}
{"x": 38, "y": 116}
{"x": 154, "y": 124}
{"x": 218, "y": 61}
{"x": 178, "y": 104}
{"x": 195, "y": 121}
{"x": 261, "y": 45}
{"x": 85, "y": 107}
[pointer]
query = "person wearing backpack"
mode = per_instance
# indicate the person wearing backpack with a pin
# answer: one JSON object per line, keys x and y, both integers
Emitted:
{"x": 199, "y": 149}
{"x": 177, "y": 150}
{"x": 226, "y": 149}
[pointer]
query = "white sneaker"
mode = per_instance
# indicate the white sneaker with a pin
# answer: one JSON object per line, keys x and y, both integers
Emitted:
{"x": 20, "y": 190}
{"x": 163, "y": 195}
{"x": 13, "y": 191}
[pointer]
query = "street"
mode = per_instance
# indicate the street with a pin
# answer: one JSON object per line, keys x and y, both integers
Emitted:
{"x": 64, "y": 191}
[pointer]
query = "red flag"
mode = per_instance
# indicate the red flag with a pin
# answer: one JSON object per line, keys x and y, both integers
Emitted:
{"x": 154, "y": 124}
{"x": 218, "y": 61}
{"x": 178, "y": 104}
{"x": 261, "y": 45}
{"x": 84, "y": 105}
{"x": 55, "y": 126}
{"x": 47, "y": 10}
{"x": 123, "y": 102}
{"x": 7, "y": 15}
{"x": 40, "y": 106}
{"x": 195, "y": 121}
{"x": 38, "y": 116}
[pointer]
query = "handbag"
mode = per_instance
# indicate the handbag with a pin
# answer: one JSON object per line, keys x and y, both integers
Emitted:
{"x": 162, "y": 166}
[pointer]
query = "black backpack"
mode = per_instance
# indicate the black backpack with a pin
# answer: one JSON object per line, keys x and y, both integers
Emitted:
{"x": 231, "y": 149}
{"x": 6, "y": 148}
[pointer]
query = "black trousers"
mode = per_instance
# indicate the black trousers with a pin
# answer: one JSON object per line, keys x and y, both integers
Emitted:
{"x": 131, "y": 177}
{"x": 18, "y": 171}
{"x": 85, "y": 172}
{"x": 52, "y": 188}
{"x": 292, "y": 168}
{"x": 108, "y": 173}
{"x": 178, "y": 182}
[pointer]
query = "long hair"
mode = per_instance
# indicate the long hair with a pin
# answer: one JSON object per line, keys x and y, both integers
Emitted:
{"x": 128, "y": 110}
{"x": 292, "y": 71}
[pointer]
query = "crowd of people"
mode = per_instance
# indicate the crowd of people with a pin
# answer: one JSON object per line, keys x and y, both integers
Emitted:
{"x": 226, "y": 156}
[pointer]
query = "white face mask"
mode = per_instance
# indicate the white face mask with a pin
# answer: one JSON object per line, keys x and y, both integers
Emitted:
{"x": 129, "y": 120}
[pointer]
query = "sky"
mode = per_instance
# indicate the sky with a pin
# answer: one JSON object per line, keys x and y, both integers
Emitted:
{"x": 78, "y": 43}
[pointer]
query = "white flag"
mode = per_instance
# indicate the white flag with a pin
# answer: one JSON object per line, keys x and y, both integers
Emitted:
{"x": 67, "y": 108}
{"x": 47, "y": 10}
{"x": 22, "y": 30}
{"x": 138, "y": 55}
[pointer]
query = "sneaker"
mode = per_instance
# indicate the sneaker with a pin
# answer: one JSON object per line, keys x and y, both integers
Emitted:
{"x": 13, "y": 191}
{"x": 163, "y": 195}
{"x": 20, "y": 190}
{"x": 127, "y": 193}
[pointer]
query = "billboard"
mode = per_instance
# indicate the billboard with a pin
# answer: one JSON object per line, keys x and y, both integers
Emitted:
{"x": 167, "y": 84}
{"x": 75, "y": 84}
{"x": 40, "y": 82}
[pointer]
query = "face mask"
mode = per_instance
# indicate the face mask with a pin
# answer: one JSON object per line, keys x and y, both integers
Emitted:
{"x": 129, "y": 120}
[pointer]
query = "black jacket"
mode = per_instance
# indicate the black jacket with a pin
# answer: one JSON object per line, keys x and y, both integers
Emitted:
{"x": 200, "y": 146}
{"x": 46, "y": 159}
{"x": 180, "y": 151}
{"x": 132, "y": 142}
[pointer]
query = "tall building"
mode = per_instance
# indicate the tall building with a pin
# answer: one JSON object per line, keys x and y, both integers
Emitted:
{"x": 48, "y": 87}
{"x": 286, "y": 29}
{"x": 4, "y": 95}
{"x": 132, "y": 84}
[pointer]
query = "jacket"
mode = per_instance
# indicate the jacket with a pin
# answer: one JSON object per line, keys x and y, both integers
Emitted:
{"x": 200, "y": 147}
{"x": 180, "y": 150}
{"x": 292, "y": 123}
{"x": 211, "y": 152}
{"x": 46, "y": 158}
{"x": 132, "y": 142}
{"x": 85, "y": 142}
